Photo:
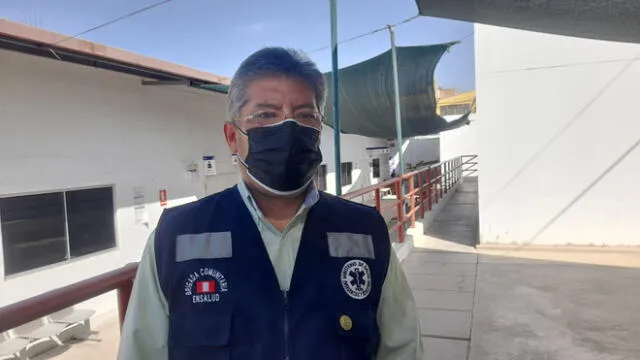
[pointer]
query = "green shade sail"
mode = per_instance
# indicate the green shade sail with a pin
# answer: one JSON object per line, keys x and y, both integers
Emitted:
{"x": 367, "y": 95}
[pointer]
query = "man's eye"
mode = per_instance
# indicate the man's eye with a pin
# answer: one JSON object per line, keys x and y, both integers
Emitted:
{"x": 267, "y": 115}
{"x": 306, "y": 117}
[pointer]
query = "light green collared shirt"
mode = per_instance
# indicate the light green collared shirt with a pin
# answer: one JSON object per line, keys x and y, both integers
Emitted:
{"x": 145, "y": 330}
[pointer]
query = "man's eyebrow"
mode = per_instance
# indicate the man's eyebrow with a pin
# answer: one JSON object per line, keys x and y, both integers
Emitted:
{"x": 267, "y": 106}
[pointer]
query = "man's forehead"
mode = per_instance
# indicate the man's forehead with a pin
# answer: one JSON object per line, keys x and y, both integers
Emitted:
{"x": 276, "y": 91}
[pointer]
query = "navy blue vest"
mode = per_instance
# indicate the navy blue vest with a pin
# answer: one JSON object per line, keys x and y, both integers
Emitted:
{"x": 232, "y": 307}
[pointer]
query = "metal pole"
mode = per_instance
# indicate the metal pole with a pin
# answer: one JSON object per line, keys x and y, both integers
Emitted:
{"x": 336, "y": 108}
{"x": 396, "y": 90}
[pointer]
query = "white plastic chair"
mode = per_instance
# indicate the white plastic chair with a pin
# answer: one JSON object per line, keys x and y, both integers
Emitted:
{"x": 12, "y": 347}
{"x": 71, "y": 317}
{"x": 39, "y": 329}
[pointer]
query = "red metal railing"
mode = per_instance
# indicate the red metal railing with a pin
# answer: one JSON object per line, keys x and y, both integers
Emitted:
{"x": 22, "y": 312}
{"x": 424, "y": 188}
{"x": 415, "y": 192}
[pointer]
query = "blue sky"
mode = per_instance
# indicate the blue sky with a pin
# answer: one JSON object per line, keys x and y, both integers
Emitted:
{"x": 215, "y": 35}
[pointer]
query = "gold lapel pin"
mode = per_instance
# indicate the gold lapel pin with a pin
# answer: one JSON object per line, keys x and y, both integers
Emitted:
{"x": 346, "y": 323}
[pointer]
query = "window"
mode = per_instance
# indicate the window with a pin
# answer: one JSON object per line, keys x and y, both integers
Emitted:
{"x": 43, "y": 229}
{"x": 375, "y": 165}
{"x": 321, "y": 178}
{"x": 345, "y": 173}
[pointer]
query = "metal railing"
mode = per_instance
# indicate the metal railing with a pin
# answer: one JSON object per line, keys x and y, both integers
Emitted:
{"x": 14, "y": 315}
{"x": 469, "y": 165}
{"x": 416, "y": 191}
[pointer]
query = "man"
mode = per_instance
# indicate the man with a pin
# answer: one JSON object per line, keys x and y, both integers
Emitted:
{"x": 217, "y": 278}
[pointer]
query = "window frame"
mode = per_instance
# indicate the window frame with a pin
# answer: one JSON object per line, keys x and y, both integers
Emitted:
{"x": 374, "y": 168}
{"x": 69, "y": 260}
{"x": 344, "y": 173}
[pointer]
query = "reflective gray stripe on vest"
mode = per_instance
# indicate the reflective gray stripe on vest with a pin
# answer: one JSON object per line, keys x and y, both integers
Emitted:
{"x": 203, "y": 246}
{"x": 350, "y": 245}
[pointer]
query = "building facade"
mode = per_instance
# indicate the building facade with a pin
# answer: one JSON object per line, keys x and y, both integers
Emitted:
{"x": 91, "y": 157}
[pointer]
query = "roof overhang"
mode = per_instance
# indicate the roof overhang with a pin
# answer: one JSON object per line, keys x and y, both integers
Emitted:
{"x": 615, "y": 20}
{"x": 29, "y": 40}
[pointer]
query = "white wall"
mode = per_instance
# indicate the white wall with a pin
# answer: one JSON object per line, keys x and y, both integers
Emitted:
{"x": 422, "y": 148}
{"x": 461, "y": 141}
{"x": 415, "y": 150}
{"x": 65, "y": 126}
{"x": 558, "y": 136}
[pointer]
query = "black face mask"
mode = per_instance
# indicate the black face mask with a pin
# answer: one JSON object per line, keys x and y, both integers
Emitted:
{"x": 283, "y": 157}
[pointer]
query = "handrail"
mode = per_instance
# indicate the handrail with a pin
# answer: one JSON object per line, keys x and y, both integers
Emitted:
{"x": 470, "y": 161}
{"x": 22, "y": 312}
{"x": 433, "y": 182}
{"x": 367, "y": 189}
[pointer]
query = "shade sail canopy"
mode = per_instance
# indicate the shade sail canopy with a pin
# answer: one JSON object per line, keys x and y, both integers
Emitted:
{"x": 367, "y": 105}
{"x": 616, "y": 20}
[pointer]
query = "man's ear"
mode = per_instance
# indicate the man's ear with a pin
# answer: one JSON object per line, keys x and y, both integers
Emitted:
{"x": 230, "y": 134}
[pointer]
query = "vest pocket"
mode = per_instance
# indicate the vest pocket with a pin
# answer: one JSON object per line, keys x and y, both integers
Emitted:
{"x": 355, "y": 336}
{"x": 200, "y": 336}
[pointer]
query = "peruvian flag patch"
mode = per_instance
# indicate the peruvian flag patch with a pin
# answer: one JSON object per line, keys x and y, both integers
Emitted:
{"x": 205, "y": 287}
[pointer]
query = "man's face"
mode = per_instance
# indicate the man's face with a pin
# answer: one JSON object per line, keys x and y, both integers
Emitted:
{"x": 283, "y": 96}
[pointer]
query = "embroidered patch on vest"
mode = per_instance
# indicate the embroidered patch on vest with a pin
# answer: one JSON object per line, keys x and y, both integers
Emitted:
{"x": 356, "y": 279}
{"x": 205, "y": 286}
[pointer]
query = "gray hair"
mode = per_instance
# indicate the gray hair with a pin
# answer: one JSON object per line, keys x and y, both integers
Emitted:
{"x": 274, "y": 61}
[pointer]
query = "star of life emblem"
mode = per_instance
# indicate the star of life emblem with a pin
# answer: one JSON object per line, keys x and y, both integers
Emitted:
{"x": 356, "y": 279}
{"x": 205, "y": 286}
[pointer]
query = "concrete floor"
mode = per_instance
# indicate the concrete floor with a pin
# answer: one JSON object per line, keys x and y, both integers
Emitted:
{"x": 521, "y": 303}
{"x": 442, "y": 274}
{"x": 496, "y": 303}
{"x": 101, "y": 344}
{"x": 531, "y": 309}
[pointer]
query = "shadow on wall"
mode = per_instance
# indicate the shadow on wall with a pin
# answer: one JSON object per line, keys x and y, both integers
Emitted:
{"x": 571, "y": 122}
{"x": 576, "y": 199}
{"x": 584, "y": 191}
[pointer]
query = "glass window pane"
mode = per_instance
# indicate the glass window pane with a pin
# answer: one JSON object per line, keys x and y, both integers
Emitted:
{"x": 33, "y": 231}
{"x": 376, "y": 168}
{"x": 90, "y": 217}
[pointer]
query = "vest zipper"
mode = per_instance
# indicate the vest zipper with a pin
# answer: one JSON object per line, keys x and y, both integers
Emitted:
{"x": 286, "y": 324}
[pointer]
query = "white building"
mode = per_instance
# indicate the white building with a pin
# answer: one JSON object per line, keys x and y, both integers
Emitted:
{"x": 417, "y": 152}
{"x": 88, "y": 154}
{"x": 557, "y": 134}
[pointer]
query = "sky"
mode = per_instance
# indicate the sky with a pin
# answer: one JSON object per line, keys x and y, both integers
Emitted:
{"x": 216, "y": 35}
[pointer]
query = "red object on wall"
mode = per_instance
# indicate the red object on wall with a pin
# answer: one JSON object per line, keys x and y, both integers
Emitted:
{"x": 163, "y": 198}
